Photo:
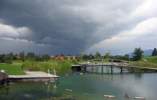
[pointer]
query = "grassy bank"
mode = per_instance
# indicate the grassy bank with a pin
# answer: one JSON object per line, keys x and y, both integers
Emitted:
{"x": 150, "y": 62}
{"x": 61, "y": 66}
{"x": 12, "y": 69}
{"x": 18, "y": 67}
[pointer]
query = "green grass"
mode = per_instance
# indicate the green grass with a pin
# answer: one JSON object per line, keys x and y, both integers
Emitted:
{"x": 12, "y": 69}
{"x": 150, "y": 62}
{"x": 18, "y": 67}
{"x": 151, "y": 59}
{"x": 61, "y": 67}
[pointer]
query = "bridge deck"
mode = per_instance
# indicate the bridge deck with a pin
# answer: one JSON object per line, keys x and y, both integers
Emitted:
{"x": 125, "y": 65}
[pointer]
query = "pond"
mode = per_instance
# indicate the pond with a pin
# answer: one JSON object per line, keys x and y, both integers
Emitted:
{"x": 84, "y": 87}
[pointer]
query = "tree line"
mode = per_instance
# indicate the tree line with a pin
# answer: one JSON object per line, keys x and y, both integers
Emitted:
{"x": 8, "y": 58}
{"x": 135, "y": 56}
{"x": 138, "y": 54}
{"x": 99, "y": 56}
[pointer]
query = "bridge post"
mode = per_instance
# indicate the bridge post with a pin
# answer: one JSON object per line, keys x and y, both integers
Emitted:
{"x": 132, "y": 70}
{"x": 102, "y": 69}
{"x": 92, "y": 68}
{"x": 84, "y": 68}
{"x": 121, "y": 70}
{"x": 96, "y": 69}
{"x": 111, "y": 69}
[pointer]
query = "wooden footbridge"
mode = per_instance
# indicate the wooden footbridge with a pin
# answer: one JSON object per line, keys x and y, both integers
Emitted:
{"x": 110, "y": 67}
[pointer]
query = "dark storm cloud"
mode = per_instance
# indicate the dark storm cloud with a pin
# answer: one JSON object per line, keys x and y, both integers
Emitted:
{"x": 66, "y": 26}
{"x": 50, "y": 22}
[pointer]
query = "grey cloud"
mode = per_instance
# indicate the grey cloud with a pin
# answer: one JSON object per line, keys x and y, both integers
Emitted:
{"x": 64, "y": 29}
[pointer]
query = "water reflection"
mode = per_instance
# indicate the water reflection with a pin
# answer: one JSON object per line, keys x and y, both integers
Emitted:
{"x": 106, "y": 70}
{"x": 4, "y": 90}
{"x": 85, "y": 87}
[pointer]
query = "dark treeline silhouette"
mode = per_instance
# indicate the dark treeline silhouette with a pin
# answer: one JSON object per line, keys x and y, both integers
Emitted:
{"x": 98, "y": 56}
{"x": 121, "y": 57}
{"x": 137, "y": 54}
{"x": 8, "y": 58}
{"x": 154, "y": 53}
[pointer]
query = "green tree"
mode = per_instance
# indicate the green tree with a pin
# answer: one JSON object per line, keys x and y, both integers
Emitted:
{"x": 8, "y": 58}
{"x": 85, "y": 57}
{"x": 138, "y": 54}
{"x": 2, "y": 58}
{"x": 154, "y": 53}
{"x": 107, "y": 55}
{"x": 46, "y": 57}
{"x": 82, "y": 56}
{"x": 22, "y": 56}
{"x": 91, "y": 56}
{"x": 97, "y": 55}
{"x": 31, "y": 56}
{"x": 126, "y": 57}
{"x": 11, "y": 56}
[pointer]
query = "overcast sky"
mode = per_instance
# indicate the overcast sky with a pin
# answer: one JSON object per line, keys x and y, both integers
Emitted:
{"x": 76, "y": 26}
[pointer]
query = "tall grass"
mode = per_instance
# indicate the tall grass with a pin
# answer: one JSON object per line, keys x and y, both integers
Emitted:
{"x": 61, "y": 67}
{"x": 18, "y": 67}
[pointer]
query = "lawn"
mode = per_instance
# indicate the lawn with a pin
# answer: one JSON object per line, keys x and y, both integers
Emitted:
{"x": 12, "y": 69}
{"x": 146, "y": 62}
{"x": 151, "y": 59}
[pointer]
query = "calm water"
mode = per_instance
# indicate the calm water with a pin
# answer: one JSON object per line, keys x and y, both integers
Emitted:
{"x": 85, "y": 87}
